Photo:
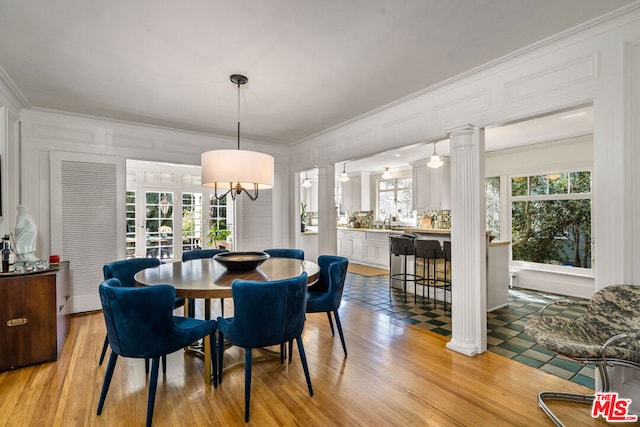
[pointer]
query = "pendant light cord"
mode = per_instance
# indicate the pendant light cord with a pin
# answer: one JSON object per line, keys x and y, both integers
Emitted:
{"x": 238, "y": 115}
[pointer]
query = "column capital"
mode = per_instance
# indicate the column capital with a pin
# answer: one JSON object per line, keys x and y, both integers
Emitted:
{"x": 461, "y": 130}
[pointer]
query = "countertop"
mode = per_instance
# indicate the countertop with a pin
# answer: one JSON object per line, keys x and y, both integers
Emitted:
{"x": 401, "y": 230}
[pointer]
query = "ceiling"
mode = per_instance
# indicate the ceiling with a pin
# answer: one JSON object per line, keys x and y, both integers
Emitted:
{"x": 311, "y": 64}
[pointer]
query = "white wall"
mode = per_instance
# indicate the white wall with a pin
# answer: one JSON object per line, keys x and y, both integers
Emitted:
{"x": 44, "y": 132}
{"x": 10, "y": 106}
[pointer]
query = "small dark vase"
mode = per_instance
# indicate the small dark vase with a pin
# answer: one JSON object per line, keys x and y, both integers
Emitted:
{"x": 302, "y": 227}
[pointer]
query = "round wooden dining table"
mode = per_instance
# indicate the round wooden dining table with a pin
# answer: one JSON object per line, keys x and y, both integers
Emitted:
{"x": 206, "y": 278}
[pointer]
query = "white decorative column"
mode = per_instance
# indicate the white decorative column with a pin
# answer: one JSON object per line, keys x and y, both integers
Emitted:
{"x": 468, "y": 242}
{"x": 327, "y": 221}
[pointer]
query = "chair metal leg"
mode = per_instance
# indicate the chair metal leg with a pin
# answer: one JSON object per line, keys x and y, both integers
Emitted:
{"x": 544, "y": 396}
{"x": 247, "y": 382}
{"x": 107, "y": 380}
{"x": 164, "y": 364}
{"x": 339, "y": 325}
{"x": 153, "y": 382}
{"x": 567, "y": 397}
{"x": 290, "y": 351}
{"x": 104, "y": 350}
{"x": 305, "y": 367}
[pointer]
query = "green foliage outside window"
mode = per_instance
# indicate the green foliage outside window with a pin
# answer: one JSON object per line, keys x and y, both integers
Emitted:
{"x": 548, "y": 228}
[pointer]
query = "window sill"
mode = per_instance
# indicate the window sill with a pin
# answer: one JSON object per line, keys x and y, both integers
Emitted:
{"x": 515, "y": 266}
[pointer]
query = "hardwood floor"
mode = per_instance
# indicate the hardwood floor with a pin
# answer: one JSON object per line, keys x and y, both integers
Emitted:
{"x": 395, "y": 375}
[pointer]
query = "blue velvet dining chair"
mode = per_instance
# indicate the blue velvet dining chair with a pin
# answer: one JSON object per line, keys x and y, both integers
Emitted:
{"x": 200, "y": 254}
{"x": 265, "y": 314}
{"x": 125, "y": 270}
{"x": 140, "y": 324}
{"x": 326, "y": 294}
{"x": 286, "y": 253}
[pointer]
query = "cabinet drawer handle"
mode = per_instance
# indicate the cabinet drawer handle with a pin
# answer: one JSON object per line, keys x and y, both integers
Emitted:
{"x": 17, "y": 322}
{"x": 60, "y": 308}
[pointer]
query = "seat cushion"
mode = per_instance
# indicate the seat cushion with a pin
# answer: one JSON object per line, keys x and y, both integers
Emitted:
{"x": 577, "y": 339}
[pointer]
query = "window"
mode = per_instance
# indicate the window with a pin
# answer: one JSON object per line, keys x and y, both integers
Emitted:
{"x": 191, "y": 221}
{"x": 492, "y": 196}
{"x": 131, "y": 224}
{"x": 551, "y": 218}
{"x": 394, "y": 199}
{"x": 159, "y": 225}
{"x": 219, "y": 224}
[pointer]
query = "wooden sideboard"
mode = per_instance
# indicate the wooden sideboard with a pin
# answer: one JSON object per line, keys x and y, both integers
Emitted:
{"x": 34, "y": 312}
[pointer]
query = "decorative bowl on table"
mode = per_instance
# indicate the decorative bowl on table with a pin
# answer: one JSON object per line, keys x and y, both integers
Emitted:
{"x": 241, "y": 261}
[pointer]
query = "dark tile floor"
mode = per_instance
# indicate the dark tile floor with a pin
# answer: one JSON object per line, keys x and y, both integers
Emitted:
{"x": 505, "y": 326}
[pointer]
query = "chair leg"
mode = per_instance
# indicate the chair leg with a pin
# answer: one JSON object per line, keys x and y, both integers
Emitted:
{"x": 247, "y": 382}
{"x": 220, "y": 356}
{"x": 290, "y": 351}
{"x": 330, "y": 323}
{"x": 104, "y": 350}
{"x": 214, "y": 358}
{"x": 305, "y": 367}
{"x": 153, "y": 382}
{"x": 107, "y": 380}
{"x": 282, "y": 350}
{"x": 339, "y": 325}
{"x": 543, "y": 396}
{"x": 146, "y": 366}
{"x": 164, "y": 364}
{"x": 567, "y": 397}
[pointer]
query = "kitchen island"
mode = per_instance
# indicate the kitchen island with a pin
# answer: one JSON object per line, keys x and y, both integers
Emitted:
{"x": 370, "y": 247}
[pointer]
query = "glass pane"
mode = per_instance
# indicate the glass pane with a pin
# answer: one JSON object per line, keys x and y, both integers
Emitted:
{"x": 404, "y": 182}
{"x": 387, "y": 185}
{"x": 191, "y": 221}
{"x": 519, "y": 186}
{"x": 581, "y": 182}
{"x": 554, "y": 232}
{"x": 537, "y": 185}
{"x": 219, "y": 227}
{"x": 404, "y": 204}
{"x": 131, "y": 224}
{"x": 159, "y": 225}
{"x": 387, "y": 204}
{"x": 492, "y": 195}
{"x": 558, "y": 183}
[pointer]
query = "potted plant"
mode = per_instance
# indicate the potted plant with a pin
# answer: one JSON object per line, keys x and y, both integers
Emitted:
{"x": 303, "y": 216}
{"x": 217, "y": 234}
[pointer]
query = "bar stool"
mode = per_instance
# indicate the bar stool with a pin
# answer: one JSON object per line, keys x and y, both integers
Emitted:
{"x": 430, "y": 252}
{"x": 403, "y": 246}
{"x": 444, "y": 275}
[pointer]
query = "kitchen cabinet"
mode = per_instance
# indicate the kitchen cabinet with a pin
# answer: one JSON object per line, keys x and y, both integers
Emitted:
{"x": 365, "y": 247}
{"x": 376, "y": 250}
{"x": 356, "y": 193}
{"x": 35, "y": 316}
{"x": 431, "y": 187}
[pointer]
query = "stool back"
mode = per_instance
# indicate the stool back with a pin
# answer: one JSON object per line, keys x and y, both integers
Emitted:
{"x": 401, "y": 246}
{"x": 446, "y": 248}
{"x": 428, "y": 249}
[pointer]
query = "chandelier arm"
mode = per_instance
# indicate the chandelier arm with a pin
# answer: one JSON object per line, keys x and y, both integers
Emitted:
{"x": 255, "y": 189}
{"x": 215, "y": 194}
